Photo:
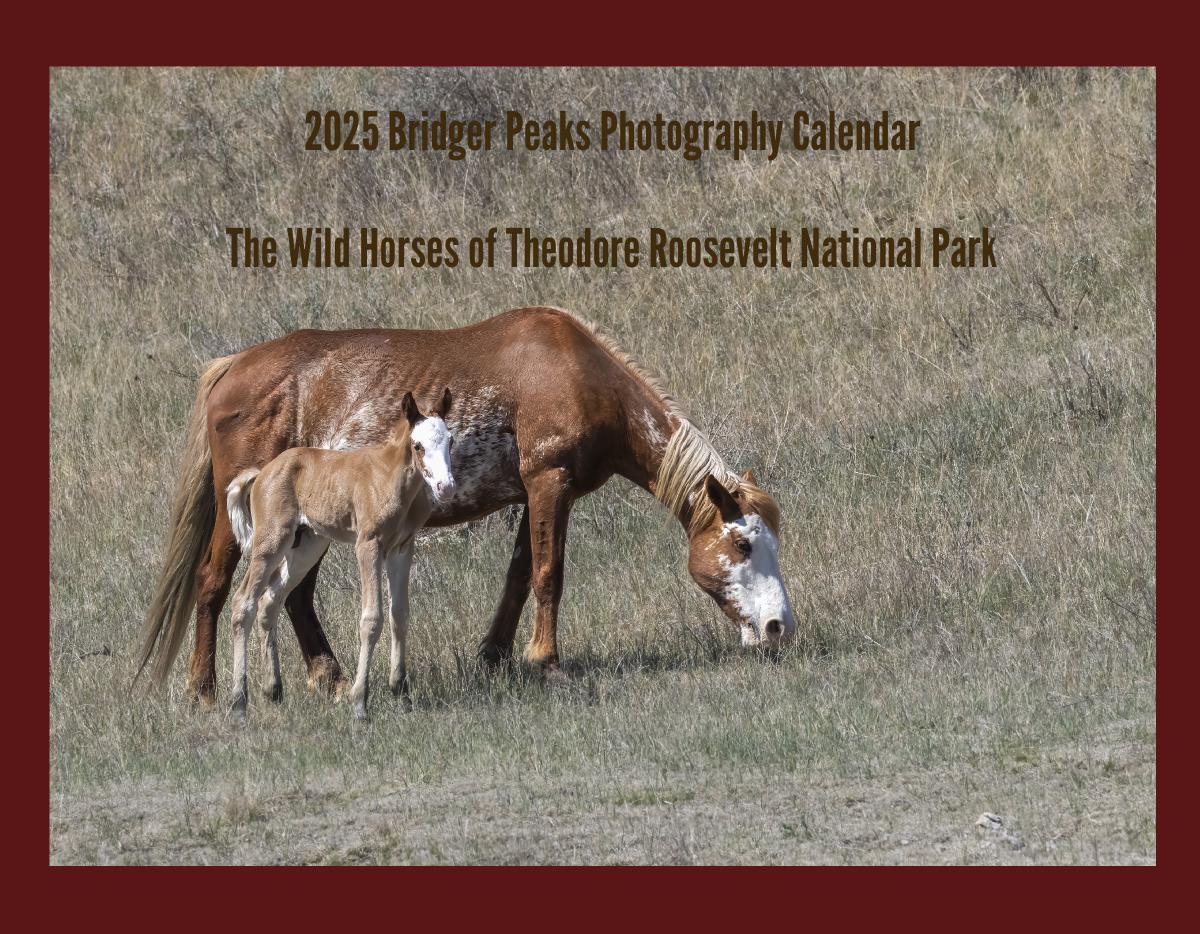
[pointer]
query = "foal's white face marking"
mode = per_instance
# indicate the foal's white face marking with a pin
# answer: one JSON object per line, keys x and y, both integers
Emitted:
{"x": 755, "y": 587}
{"x": 434, "y": 438}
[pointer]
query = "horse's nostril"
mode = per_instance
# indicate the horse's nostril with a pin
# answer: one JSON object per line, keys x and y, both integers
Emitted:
{"x": 774, "y": 627}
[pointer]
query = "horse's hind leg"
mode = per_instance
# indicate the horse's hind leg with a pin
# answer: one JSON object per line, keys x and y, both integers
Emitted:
{"x": 322, "y": 665}
{"x": 213, "y": 579}
{"x": 497, "y": 645}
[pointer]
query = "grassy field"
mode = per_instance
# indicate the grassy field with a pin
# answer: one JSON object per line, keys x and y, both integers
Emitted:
{"x": 965, "y": 462}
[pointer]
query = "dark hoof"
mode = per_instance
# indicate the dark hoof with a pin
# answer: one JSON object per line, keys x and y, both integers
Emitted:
{"x": 493, "y": 656}
{"x": 274, "y": 694}
{"x": 403, "y": 698}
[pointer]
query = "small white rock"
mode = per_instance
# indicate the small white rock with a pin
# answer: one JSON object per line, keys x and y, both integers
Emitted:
{"x": 989, "y": 821}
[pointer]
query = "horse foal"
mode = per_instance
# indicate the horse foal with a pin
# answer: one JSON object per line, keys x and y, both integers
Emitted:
{"x": 286, "y": 515}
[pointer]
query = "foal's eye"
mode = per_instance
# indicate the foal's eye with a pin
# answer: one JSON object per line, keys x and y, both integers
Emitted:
{"x": 743, "y": 546}
{"x": 419, "y": 447}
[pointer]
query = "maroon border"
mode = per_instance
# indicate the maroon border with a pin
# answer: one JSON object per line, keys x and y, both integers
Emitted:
{"x": 1021, "y": 33}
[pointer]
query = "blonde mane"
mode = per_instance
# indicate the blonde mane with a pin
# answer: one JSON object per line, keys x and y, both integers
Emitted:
{"x": 686, "y": 464}
{"x": 689, "y": 457}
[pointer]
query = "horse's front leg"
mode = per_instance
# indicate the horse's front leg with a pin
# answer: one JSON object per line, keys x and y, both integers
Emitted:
{"x": 497, "y": 645}
{"x": 399, "y": 565}
{"x": 370, "y": 571}
{"x": 550, "y": 500}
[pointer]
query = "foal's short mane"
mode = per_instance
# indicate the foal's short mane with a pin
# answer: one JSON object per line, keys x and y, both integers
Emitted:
{"x": 689, "y": 457}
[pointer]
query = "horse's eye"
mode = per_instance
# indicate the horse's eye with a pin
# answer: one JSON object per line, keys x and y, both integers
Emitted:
{"x": 743, "y": 546}
{"x": 419, "y": 447}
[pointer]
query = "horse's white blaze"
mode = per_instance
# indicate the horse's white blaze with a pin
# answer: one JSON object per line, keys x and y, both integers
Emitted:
{"x": 433, "y": 435}
{"x": 754, "y": 585}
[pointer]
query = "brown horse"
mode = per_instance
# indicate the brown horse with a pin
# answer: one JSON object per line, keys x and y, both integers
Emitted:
{"x": 546, "y": 410}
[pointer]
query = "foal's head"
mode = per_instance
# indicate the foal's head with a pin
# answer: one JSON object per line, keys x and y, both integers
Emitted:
{"x": 431, "y": 444}
{"x": 734, "y": 557}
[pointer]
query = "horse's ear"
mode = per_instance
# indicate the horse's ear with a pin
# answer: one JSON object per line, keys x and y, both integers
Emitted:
{"x": 444, "y": 405}
{"x": 721, "y": 498}
{"x": 749, "y": 477}
{"x": 408, "y": 405}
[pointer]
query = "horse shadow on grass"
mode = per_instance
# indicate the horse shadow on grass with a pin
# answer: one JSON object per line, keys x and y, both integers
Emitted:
{"x": 591, "y": 672}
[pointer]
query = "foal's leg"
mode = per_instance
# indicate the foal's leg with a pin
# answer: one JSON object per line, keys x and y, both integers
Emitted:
{"x": 297, "y": 562}
{"x": 497, "y": 645}
{"x": 245, "y": 608}
{"x": 370, "y": 572}
{"x": 399, "y": 564}
{"x": 549, "y": 510}
{"x": 268, "y": 620}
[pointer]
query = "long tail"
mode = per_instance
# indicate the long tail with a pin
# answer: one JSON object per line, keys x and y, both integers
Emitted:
{"x": 192, "y": 520}
{"x": 237, "y": 501}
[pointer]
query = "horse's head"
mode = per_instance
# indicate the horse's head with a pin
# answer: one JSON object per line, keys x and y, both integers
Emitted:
{"x": 431, "y": 444}
{"x": 734, "y": 557}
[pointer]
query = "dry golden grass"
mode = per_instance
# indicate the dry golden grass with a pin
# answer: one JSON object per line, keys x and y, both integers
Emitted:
{"x": 965, "y": 461}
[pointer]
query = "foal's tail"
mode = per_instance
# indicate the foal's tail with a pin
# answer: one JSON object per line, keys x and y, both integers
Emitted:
{"x": 192, "y": 520}
{"x": 237, "y": 501}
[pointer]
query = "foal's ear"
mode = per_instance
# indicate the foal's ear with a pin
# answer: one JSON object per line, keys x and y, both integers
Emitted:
{"x": 749, "y": 477}
{"x": 408, "y": 406}
{"x": 721, "y": 498}
{"x": 444, "y": 405}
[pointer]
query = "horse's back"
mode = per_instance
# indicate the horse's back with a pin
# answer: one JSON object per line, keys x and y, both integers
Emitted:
{"x": 530, "y": 374}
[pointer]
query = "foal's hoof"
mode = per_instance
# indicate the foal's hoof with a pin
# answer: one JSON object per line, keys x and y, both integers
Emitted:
{"x": 237, "y": 711}
{"x": 358, "y": 713}
{"x": 274, "y": 693}
{"x": 403, "y": 698}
